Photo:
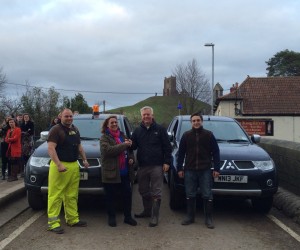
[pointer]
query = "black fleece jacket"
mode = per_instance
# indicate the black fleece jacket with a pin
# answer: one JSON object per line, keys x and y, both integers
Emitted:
{"x": 197, "y": 148}
{"x": 152, "y": 144}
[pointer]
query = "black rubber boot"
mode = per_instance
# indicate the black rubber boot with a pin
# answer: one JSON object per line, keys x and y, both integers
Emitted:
{"x": 3, "y": 170}
{"x": 147, "y": 203}
{"x": 112, "y": 221}
{"x": 208, "y": 208}
{"x": 155, "y": 213}
{"x": 191, "y": 209}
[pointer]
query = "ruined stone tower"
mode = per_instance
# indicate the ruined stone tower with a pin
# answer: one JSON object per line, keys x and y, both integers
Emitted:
{"x": 170, "y": 86}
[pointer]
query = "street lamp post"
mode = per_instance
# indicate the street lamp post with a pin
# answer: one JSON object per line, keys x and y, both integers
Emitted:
{"x": 212, "y": 77}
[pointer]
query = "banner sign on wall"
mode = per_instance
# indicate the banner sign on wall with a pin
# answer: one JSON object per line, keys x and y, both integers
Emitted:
{"x": 263, "y": 127}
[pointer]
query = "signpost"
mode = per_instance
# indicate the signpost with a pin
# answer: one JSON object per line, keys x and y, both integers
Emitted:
{"x": 179, "y": 107}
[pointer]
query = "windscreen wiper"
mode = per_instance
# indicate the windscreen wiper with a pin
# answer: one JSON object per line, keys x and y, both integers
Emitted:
{"x": 221, "y": 140}
{"x": 238, "y": 140}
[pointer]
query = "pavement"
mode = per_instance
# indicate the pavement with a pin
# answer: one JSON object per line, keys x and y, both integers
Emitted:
{"x": 285, "y": 201}
{"x": 11, "y": 190}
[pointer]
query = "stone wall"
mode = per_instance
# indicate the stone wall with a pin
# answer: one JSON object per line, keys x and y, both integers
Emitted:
{"x": 286, "y": 156}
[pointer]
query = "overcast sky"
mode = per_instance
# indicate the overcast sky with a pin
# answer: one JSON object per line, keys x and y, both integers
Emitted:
{"x": 130, "y": 46}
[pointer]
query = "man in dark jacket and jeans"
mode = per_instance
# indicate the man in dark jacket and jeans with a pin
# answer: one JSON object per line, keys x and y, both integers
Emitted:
{"x": 154, "y": 157}
{"x": 197, "y": 148}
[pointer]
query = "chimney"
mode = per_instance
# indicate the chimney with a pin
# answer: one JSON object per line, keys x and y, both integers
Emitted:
{"x": 234, "y": 87}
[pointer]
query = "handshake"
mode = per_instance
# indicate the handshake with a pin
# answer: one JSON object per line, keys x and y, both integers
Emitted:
{"x": 128, "y": 142}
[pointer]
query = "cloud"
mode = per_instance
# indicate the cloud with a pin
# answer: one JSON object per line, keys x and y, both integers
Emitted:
{"x": 130, "y": 46}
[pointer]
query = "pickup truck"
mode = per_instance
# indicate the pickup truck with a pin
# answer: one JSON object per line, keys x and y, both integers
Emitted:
{"x": 247, "y": 171}
{"x": 37, "y": 168}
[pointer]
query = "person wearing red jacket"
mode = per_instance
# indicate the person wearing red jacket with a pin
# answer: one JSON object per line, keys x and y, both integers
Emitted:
{"x": 14, "y": 151}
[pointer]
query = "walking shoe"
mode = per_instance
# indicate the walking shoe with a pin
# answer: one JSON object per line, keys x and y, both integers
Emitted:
{"x": 57, "y": 230}
{"x": 143, "y": 215}
{"x": 12, "y": 179}
{"x": 80, "y": 223}
{"x": 130, "y": 221}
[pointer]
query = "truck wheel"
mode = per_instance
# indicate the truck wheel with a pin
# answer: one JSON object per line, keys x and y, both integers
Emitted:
{"x": 262, "y": 205}
{"x": 35, "y": 200}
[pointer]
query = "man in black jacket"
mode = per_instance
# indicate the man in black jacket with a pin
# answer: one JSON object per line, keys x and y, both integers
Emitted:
{"x": 197, "y": 148}
{"x": 154, "y": 157}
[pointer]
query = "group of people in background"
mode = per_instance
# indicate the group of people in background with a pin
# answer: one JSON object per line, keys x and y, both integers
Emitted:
{"x": 16, "y": 145}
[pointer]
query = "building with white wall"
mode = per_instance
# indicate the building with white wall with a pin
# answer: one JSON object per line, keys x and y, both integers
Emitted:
{"x": 269, "y": 106}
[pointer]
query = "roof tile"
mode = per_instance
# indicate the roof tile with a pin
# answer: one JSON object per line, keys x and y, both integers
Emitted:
{"x": 268, "y": 95}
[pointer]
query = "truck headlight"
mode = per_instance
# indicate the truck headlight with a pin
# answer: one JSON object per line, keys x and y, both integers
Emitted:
{"x": 39, "y": 161}
{"x": 264, "y": 165}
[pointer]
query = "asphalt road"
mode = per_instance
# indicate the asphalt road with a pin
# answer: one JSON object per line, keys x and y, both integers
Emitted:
{"x": 237, "y": 227}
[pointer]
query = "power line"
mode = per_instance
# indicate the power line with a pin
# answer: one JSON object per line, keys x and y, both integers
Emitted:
{"x": 97, "y": 92}
{"x": 89, "y": 91}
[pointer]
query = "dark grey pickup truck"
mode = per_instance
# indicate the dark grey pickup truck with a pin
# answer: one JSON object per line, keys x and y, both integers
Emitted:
{"x": 247, "y": 171}
{"x": 37, "y": 168}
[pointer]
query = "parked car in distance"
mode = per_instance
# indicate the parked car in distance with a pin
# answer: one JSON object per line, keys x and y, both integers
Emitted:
{"x": 247, "y": 171}
{"x": 37, "y": 168}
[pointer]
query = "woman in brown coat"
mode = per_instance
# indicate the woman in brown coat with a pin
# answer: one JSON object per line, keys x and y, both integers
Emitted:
{"x": 117, "y": 168}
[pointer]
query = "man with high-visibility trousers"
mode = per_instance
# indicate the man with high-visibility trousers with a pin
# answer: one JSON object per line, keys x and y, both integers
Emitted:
{"x": 63, "y": 182}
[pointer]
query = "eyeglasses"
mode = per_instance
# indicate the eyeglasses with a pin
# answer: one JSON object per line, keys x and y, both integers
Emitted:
{"x": 68, "y": 116}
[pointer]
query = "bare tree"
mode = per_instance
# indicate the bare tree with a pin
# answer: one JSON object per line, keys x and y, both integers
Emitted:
{"x": 41, "y": 105}
{"x": 7, "y": 105}
{"x": 192, "y": 85}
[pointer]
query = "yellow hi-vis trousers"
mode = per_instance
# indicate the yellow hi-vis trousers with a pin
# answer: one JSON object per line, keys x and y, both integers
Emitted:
{"x": 63, "y": 188}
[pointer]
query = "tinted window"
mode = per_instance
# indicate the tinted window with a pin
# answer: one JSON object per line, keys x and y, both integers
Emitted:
{"x": 223, "y": 130}
{"x": 90, "y": 128}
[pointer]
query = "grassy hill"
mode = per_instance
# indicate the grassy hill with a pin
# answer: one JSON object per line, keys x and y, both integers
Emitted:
{"x": 165, "y": 108}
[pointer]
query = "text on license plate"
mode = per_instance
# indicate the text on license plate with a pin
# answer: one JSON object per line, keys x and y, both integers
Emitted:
{"x": 232, "y": 178}
{"x": 84, "y": 176}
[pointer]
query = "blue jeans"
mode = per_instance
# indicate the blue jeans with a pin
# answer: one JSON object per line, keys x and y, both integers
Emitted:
{"x": 198, "y": 178}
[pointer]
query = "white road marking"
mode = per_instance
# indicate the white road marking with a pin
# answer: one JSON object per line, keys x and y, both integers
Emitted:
{"x": 284, "y": 227}
{"x": 18, "y": 231}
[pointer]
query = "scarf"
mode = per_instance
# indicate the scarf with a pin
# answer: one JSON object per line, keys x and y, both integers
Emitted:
{"x": 117, "y": 136}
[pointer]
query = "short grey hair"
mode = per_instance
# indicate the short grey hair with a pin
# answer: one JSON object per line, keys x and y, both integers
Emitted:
{"x": 146, "y": 107}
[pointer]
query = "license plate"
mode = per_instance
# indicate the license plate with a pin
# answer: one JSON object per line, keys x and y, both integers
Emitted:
{"x": 232, "y": 178}
{"x": 84, "y": 176}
